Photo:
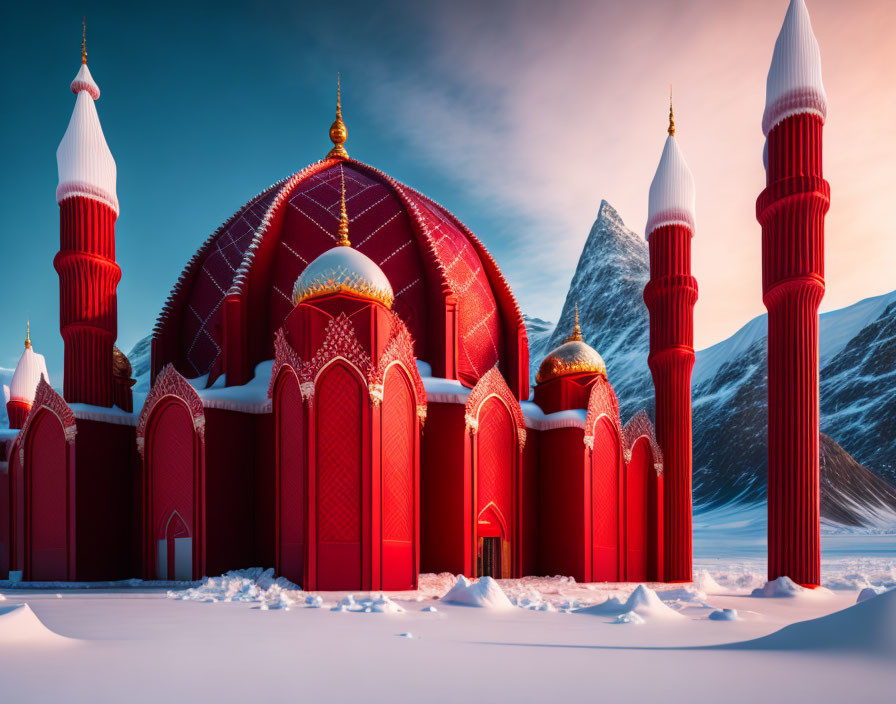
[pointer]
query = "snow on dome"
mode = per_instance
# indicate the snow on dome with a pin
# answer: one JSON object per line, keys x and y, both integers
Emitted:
{"x": 343, "y": 270}
{"x": 794, "y": 83}
{"x": 672, "y": 194}
{"x": 85, "y": 164}
{"x": 27, "y": 375}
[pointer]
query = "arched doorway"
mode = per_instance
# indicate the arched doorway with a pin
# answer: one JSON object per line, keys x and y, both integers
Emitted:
{"x": 170, "y": 459}
{"x": 605, "y": 463}
{"x": 636, "y": 509}
{"x": 290, "y": 477}
{"x": 339, "y": 421}
{"x": 174, "y": 556}
{"x": 399, "y": 481}
{"x": 46, "y": 459}
{"x": 496, "y": 450}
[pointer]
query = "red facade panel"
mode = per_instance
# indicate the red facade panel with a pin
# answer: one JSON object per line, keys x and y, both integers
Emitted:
{"x": 46, "y": 458}
{"x": 605, "y": 492}
{"x": 290, "y": 478}
{"x": 339, "y": 401}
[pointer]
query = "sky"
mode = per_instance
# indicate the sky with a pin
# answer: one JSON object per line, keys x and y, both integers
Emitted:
{"x": 520, "y": 117}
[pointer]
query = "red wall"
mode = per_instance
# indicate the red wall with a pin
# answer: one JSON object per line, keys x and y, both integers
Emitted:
{"x": 564, "y": 500}
{"x": 106, "y": 466}
{"x": 496, "y": 449}
{"x": 291, "y": 478}
{"x": 444, "y": 527}
{"x": 5, "y": 520}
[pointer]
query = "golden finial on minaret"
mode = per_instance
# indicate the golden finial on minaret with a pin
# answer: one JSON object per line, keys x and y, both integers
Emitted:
{"x": 576, "y": 335}
{"x": 84, "y": 39}
{"x": 671, "y": 114}
{"x": 338, "y": 132}
{"x": 28, "y": 335}
{"x": 342, "y": 232}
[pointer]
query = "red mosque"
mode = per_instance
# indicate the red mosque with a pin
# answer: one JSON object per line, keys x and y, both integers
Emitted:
{"x": 340, "y": 388}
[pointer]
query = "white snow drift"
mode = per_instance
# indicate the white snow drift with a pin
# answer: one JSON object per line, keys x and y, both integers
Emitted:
{"x": 643, "y": 602}
{"x": 484, "y": 593}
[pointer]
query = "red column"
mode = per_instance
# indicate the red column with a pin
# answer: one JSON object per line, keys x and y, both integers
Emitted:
{"x": 670, "y": 296}
{"x": 791, "y": 211}
{"x": 88, "y": 311}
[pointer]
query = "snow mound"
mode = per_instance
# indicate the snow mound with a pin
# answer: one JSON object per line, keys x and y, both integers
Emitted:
{"x": 2, "y": 598}
{"x": 724, "y": 615}
{"x": 869, "y": 592}
{"x": 704, "y": 582}
{"x": 254, "y": 585}
{"x": 644, "y": 602}
{"x": 484, "y": 593}
{"x": 378, "y": 604}
{"x": 629, "y": 617}
{"x": 787, "y": 588}
{"x": 688, "y": 594}
{"x": 865, "y": 628}
{"x": 19, "y": 625}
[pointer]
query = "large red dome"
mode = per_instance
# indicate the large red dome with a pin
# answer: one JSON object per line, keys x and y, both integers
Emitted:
{"x": 252, "y": 261}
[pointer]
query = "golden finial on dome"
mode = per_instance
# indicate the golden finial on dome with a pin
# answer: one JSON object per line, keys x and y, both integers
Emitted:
{"x": 576, "y": 335}
{"x": 28, "y": 335}
{"x": 84, "y": 39}
{"x": 338, "y": 131}
{"x": 342, "y": 232}
{"x": 671, "y": 114}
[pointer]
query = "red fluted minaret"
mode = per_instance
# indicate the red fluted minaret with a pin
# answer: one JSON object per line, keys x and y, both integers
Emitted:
{"x": 670, "y": 296}
{"x": 88, "y": 274}
{"x": 791, "y": 211}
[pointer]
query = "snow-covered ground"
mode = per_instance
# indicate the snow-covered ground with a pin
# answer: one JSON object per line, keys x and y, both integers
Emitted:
{"x": 249, "y": 637}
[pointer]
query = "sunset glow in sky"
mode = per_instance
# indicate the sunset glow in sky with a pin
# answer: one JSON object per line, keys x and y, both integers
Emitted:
{"x": 519, "y": 117}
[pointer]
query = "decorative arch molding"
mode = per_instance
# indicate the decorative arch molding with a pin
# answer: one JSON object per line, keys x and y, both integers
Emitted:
{"x": 493, "y": 384}
{"x": 492, "y": 508}
{"x": 341, "y": 342}
{"x": 639, "y": 426}
{"x": 602, "y": 402}
{"x": 46, "y": 398}
{"x": 399, "y": 351}
{"x": 170, "y": 383}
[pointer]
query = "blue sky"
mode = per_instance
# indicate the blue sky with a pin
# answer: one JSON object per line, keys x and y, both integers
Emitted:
{"x": 519, "y": 117}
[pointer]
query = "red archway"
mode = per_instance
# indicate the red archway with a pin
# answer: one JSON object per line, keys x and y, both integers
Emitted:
{"x": 340, "y": 401}
{"x": 290, "y": 443}
{"x": 636, "y": 510}
{"x": 605, "y": 493}
{"x": 47, "y": 499}
{"x": 171, "y": 461}
{"x": 496, "y": 460}
{"x": 399, "y": 509}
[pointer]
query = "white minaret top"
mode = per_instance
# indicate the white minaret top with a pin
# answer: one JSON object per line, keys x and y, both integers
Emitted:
{"x": 27, "y": 375}
{"x": 672, "y": 193}
{"x": 86, "y": 166}
{"x": 794, "y": 84}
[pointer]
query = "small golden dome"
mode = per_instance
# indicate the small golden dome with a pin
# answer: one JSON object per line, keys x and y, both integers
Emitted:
{"x": 575, "y": 356}
{"x": 121, "y": 365}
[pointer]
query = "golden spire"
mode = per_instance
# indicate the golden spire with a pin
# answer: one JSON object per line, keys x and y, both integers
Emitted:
{"x": 342, "y": 232}
{"x": 84, "y": 39}
{"x": 671, "y": 115}
{"x": 338, "y": 132}
{"x": 576, "y": 335}
{"x": 28, "y": 335}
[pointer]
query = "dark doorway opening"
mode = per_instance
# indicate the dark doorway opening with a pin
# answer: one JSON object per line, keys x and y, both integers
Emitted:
{"x": 490, "y": 557}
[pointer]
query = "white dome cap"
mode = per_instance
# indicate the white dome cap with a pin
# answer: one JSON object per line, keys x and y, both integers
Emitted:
{"x": 27, "y": 375}
{"x": 672, "y": 194}
{"x": 343, "y": 270}
{"x": 85, "y": 164}
{"x": 794, "y": 83}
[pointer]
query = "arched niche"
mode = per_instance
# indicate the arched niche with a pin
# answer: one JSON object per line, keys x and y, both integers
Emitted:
{"x": 289, "y": 414}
